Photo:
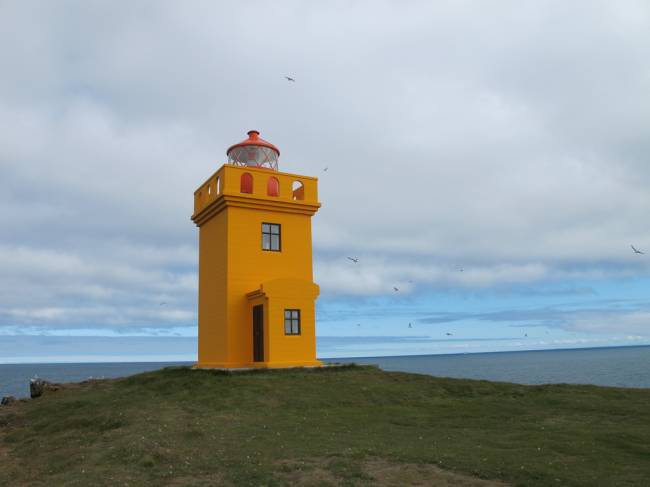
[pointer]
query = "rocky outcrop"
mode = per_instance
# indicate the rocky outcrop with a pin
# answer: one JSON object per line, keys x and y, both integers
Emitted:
{"x": 7, "y": 400}
{"x": 38, "y": 386}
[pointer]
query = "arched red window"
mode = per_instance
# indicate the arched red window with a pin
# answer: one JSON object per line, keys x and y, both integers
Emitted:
{"x": 273, "y": 187}
{"x": 246, "y": 185}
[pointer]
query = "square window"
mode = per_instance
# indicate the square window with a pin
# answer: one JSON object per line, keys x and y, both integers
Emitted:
{"x": 271, "y": 237}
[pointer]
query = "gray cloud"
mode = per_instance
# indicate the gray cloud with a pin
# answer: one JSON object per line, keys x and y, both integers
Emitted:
{"x": 510, "y": 139}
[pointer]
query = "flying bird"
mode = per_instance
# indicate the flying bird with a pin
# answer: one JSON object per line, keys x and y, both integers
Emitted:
{"x": 395, "y": 289}
{"x": 163, "y": 303}
{"x": 636, "y": 251}
{"x": 289, "y": 78}
{"x": 353, "y": 259}
{"x": 325, "y": 170}
{"x": 448, "y": 334}
{"x": 410, "y": 326}
{"x": 358, "y": 324}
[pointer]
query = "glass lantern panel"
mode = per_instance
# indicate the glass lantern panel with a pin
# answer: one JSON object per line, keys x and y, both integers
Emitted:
{"x": 255, "y": 156}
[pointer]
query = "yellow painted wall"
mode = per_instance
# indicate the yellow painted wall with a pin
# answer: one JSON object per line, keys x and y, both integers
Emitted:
{"x": 212, "y": 289}
{"x": 232, "y": 264}
{"x": 289, "y": 294}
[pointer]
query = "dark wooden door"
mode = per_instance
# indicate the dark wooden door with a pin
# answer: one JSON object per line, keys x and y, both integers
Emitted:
{"x": 258, "y": 333}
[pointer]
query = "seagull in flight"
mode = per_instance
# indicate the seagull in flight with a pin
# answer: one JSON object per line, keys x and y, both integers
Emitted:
{"x": 448, "y": 334}
{"x": 163, "y": 303}
{"x": 395, "y": 289}
{"x": 325, "y": 170}
{"x": 289, "y": 78}
{"x": 636, "y": 251}
{"x": 355, "y": 260}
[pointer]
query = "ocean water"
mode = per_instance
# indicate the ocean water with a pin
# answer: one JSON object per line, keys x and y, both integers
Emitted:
{"x": 619, "y": 367}
{"x": 616, "y": 366}
{"x": 14, "y": 378}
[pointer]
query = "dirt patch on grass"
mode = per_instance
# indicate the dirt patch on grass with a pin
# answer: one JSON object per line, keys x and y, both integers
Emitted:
{"x": 380, "y": 472}
{"x": 397, "y": 474}
{"x": 306, "y": 473}
{"x": 198, "y": 481}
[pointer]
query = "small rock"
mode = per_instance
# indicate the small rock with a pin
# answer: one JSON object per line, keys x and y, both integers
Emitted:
{"x": 38, "y": 386}
{"x": 7, "y": 400}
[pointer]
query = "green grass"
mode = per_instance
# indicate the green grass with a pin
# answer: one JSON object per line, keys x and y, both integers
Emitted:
{"x": 335, "y": 426}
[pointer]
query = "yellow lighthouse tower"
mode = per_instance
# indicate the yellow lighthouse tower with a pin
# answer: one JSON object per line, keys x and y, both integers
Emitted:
{"x": 256, "y": 290}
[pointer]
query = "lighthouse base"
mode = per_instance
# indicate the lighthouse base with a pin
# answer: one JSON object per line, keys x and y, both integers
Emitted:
{"x": 257, "y": 365}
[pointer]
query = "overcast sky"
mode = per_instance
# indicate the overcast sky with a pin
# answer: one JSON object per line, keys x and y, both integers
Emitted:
{"x": 508, "y": 139}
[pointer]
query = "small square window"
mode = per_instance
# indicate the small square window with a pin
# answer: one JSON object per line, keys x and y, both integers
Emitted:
{"x": 292, "y": 322}
{"x": 271, "y": 237}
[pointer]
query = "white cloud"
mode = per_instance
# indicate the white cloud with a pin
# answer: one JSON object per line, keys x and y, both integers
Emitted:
{"x": 507, "y": 139}
{"x": 636, "y": 322}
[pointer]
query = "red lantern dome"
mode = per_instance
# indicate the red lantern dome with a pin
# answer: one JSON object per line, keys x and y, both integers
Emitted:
{"x": 254, "y": 152}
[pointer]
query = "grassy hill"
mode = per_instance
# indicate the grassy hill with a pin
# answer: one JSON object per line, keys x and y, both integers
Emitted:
{"x": 335, "y": 426}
